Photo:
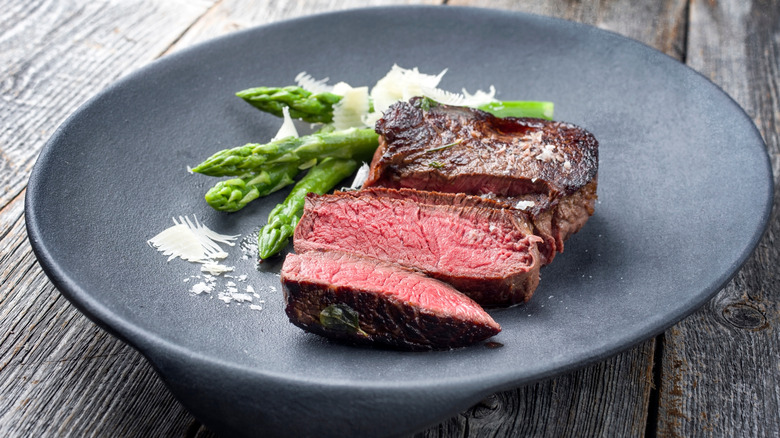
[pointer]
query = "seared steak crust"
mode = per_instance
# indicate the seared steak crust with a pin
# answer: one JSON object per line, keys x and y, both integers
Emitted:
{"x": 546, "y": 170}
{"x": 397, "y": 307}
{"x": 454, "y": 149}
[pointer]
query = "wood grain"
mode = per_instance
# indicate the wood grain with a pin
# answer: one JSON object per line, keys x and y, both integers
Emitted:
{"x": 232, "y": 15}
{"x": 606, "y": 399}
{"x": 60, "y": 375}
{"x": 721, "y": 366}
{"x": 660, "y": 24}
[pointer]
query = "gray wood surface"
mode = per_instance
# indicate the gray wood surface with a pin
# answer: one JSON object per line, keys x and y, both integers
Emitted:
{"x": 716, "y": 372}
{"x": 721, "y": 366}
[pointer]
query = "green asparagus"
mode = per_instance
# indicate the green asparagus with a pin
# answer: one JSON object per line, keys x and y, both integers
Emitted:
{"x": 304, "y": 105}
{"x": 273, "y": 237}
{"x": 318, "y": 108}
{"x": 520, "y": 108}
{"x": 349, "y": 143}
{"x": 234, "y": 194}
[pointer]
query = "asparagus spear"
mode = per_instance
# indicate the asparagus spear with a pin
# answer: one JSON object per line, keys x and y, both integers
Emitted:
{"x": 321, "y": 178}
{"x": 234, "y": 194}
{"x": 520, "y": 108}
{"x": 349, "y": 143}
{"x": 304, "y": 105}
{"x": 318, "y": 108}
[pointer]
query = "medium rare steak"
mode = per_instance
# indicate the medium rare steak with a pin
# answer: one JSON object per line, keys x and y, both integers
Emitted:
{"x": 488, "y": 253}
{"x": 365, "y": 300}
{"x": 547, "y": 169}
{"x": 558, "y": 221}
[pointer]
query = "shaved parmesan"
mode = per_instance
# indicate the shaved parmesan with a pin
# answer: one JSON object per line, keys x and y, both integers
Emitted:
{"x": 360, "y": 177}
{"x": 403, "y": 84}
{"x": 461, "y": 99}
{"x": 370, "y": 119}
{"x": 192, "y": 241}
{"x": 288, "y": 127}
{"x": 341, "y": 88}
{"x": 399, "y": 84}
{"x": 215, "y": 268}
{"x": 443, "y": 96}
{"x": 308, "y": 83}
{"x": 351, "y": 109}
{"x": 479, "y": 97}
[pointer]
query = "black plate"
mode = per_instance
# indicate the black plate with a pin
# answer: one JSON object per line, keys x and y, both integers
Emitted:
{"x": 684, "y": 195}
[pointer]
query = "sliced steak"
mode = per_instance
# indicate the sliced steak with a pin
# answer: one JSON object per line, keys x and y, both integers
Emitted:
{"x": 550, "y": 166}
{"x": 363, "y": 300}
{"x": 558, "y": 221}
{"x": 488, "y": 253}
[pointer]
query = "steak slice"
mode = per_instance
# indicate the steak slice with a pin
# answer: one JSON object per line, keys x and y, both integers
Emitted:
{"x": 558, "y": 221}
{"x": 430, "y": 146}
{"x": 365, "y": 301}
{"x": 488, "y": 253}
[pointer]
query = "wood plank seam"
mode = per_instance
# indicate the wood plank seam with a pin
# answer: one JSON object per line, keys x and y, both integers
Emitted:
{"x": 651, "y": 428}
{"x": 187, "y": 29}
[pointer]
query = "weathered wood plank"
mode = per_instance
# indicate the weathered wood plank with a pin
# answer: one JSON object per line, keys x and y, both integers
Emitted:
{"x": 660, "y": 24}
{"x": 55, "y": 55}
{"x": 605, "y": 399}
{"x": 721, "y": 366}
{"x": 231, "y": 15}
{"x": 44, "y": 340}
{"x": 59, "y": 373}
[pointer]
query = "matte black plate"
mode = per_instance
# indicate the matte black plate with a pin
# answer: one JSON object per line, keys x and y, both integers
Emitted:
{"x": 684, "y": 195}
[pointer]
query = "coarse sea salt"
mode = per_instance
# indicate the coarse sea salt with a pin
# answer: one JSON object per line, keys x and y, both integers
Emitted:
{"x": 201, "y": 288}
{"x": 524, "y": 205}
{"x": 547, "y": 153}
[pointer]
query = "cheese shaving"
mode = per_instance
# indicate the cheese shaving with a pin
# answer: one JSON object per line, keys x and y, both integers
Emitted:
{"x": 403, "y": 84}
{"x": 215, "y": 268}
{"x": 352, "y": 108}
{"x": 360, "y": 177}
{"x": 308, "y": 83}
{"x": 399, "y": 84}
{"x": 288, "y": 127}
{"x": 460, "y": 99}
{"x": 192, "y": 241}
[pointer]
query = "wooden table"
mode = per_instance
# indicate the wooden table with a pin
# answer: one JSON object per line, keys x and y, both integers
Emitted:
{"x": 716, "y": 373}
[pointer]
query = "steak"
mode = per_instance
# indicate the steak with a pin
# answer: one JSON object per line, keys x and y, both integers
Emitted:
{"x": 546, "y": 169}
{"x": 488, "y": 253}
{"x": 365, "y": 301}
